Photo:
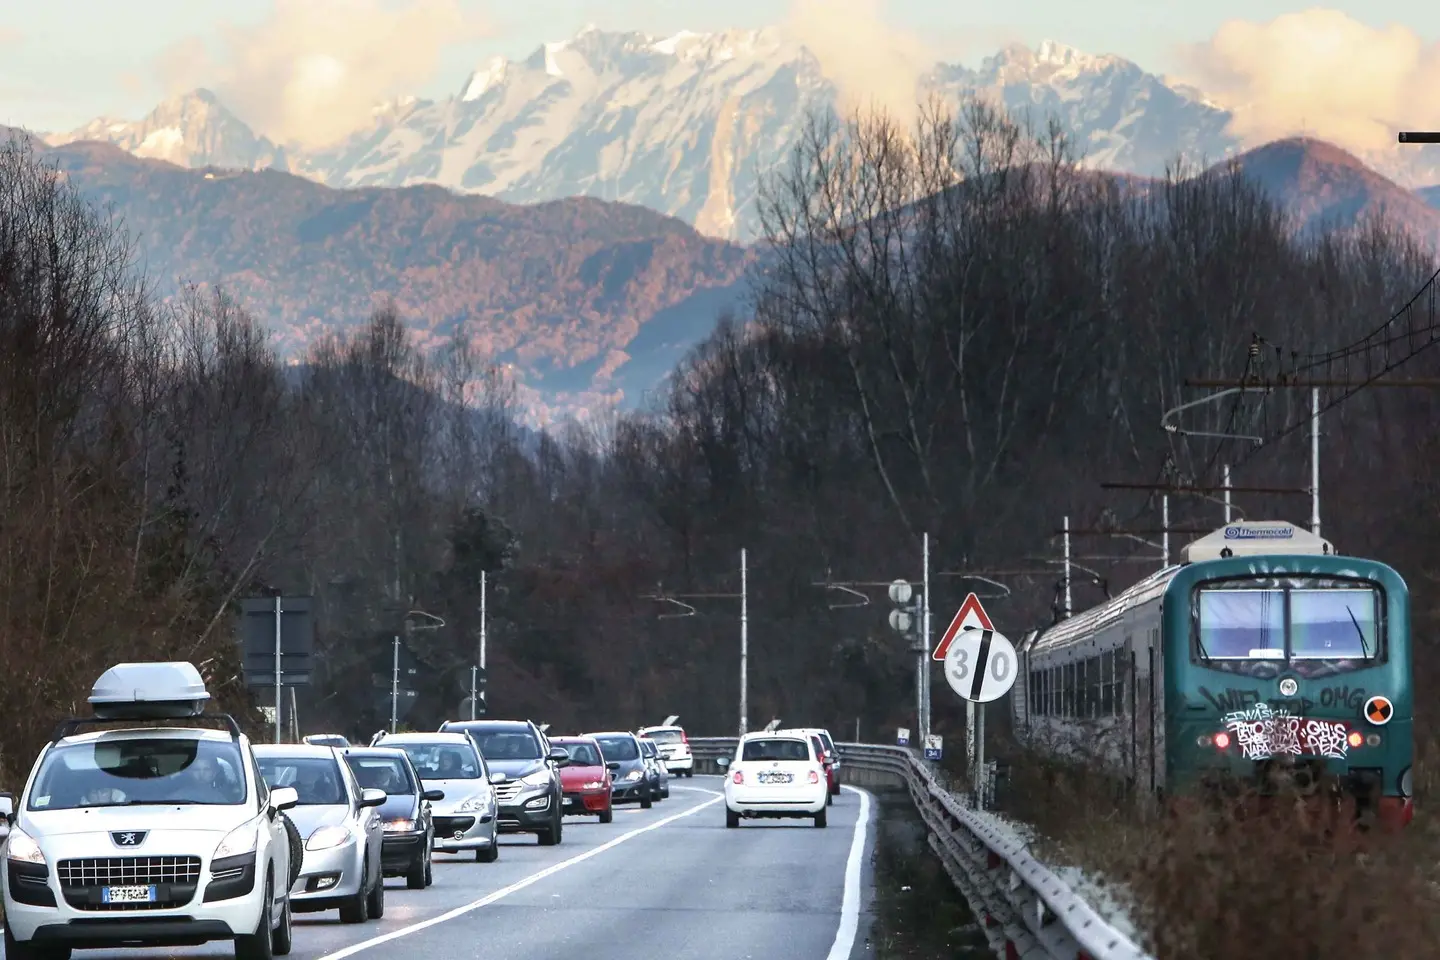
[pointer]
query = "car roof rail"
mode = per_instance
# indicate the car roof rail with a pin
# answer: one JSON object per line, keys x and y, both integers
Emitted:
{"x": 68, "y": 727}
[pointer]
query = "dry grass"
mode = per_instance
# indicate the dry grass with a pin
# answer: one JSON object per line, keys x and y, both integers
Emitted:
{"x": 1242, "y": 878}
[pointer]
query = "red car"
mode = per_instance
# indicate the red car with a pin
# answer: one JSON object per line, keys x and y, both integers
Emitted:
{"x": 585, "y": 780}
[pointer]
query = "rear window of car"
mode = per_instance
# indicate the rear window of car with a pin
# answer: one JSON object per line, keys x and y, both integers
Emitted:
{"x": 382, "y": 773}
{"x": 316, "y": 779}
{"x": 666, "y": 736}
{"x": 829, "y": 744}
{"x": 777, "y": 749}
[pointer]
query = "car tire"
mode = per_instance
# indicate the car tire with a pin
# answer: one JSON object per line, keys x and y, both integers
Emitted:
{"x": 259, "y": 945}
{"x": 429, "y": 872}
{"x": 690, "y": 772}
{"x": 356, "y": 909}
{"x": 297, "y": 849}
{"x": 491, "y": 853}
{"x": 646, "y": 803}
{"x": 415, "y": 877}
{"x": 820, "y": 819}
{"x": 30, "y": 950}
{"x": 732, "y": 819}
{"x": 375, "y": 904}
{"x": 607, "y": 816}
{"x": 829, "y": 799}
{"x": 550, "y": 836}
{"x": 284, "y": 938}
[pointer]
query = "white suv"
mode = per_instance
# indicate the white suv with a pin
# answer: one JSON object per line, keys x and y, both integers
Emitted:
{"x": 775, "y": 775}
{"x": 146, "y": 836}
{"x": 674, "y": 748}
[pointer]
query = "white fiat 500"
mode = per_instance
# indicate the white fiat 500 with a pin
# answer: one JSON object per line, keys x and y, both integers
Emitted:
{"x": 774, "y": 775}
{"x": 146, "y": 836}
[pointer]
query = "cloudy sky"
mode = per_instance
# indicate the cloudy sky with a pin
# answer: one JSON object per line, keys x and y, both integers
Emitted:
{"x": 298, "y": 69}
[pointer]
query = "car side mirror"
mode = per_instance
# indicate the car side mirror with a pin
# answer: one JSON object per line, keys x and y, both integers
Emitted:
{"x": 433, "y": 795}
{"x": 370, "y": 797}
{"x": 559, "y": 756}
{"x": 612, "y": 765}
{"x": 7, "y": 806}
{"x": 498, "y": 778}
{"x": 283, "y": 798}
{"x": 723, "y": 762}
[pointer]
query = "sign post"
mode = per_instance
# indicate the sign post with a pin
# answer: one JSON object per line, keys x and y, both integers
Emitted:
{"x": 970, "y": 615}
{"x": 934, "y": 747}
{"x": 981, "y": 666}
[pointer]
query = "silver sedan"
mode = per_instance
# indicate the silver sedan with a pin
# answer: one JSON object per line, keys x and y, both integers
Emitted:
{"x": 341, "y": 829}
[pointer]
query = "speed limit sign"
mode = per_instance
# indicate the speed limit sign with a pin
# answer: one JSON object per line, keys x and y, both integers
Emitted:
{"x": 981, "y": 665}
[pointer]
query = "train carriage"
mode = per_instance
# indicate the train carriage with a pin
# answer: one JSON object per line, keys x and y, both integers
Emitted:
{"x": 1263, "y": 657}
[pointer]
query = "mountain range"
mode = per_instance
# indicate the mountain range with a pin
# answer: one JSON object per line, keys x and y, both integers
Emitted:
{"x": 637, "y": 161}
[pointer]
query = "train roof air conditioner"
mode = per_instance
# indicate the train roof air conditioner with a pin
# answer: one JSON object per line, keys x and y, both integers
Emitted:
{"x": 1256, "y": 538}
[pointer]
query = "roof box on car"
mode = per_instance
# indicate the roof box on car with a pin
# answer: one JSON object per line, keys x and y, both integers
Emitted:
{"x": 149, "y": 691}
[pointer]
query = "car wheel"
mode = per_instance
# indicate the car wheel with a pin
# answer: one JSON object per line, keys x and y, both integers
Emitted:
{"x": 376, "y": 903}
{"x": 829, "y": 799}
{"x": 607, "y": 816}
{"x": 356, "y": 909}
{"x": 732, "y": 819}
{"x": 429, "y": 872}
{"x": 820, "y": 819}
{"x": 297, "y": 849}
{"x": 284, "y": 933}
{"x": 416, "y": 877}
{"x": 646, "y": 803}
{"x": 690, "y": 772}
{"x": 259, "y": 945}
{"x": 491, "y": 853}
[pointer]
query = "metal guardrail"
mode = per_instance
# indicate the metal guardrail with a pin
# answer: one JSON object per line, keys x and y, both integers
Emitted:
{"x": 1024, "y": 908}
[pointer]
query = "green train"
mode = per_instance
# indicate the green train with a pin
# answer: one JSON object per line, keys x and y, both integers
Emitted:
{"x": 1262, "y": 656}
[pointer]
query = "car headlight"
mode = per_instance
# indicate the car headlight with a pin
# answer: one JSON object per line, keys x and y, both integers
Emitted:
{"x": 635, "y": 775}
{"x": 327, "y": 837}
{"x": 593, "y": 785}
{"x": 537, "y": 779}
{"x": 399, "y": 826}
{"x": 243, "y": 839}
{"x": 471, "y": 804}
{"x": 22, "y": 848}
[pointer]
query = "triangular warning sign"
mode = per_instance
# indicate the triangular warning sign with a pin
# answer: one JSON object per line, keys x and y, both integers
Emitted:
{"x": 970, "y": 614}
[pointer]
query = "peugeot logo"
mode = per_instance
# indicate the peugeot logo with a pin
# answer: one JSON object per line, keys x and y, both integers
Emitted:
{"x": 130, "y": 838}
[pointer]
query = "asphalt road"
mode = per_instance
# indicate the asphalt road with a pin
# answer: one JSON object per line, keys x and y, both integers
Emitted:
{"x": 669, "y": 882}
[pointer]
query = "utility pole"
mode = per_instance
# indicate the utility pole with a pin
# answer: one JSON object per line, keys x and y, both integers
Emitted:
{"x": 1165, "y": 537}
{"x": 688, "y": 610}
{"x": 925, "y": 671}
{"x": 1315, "y": 460}
{"x": 279, "y": 690}
{"x": 1227, "y": 494}
{"x": 395, "y": 684}
{"x": 1069, "y": 600}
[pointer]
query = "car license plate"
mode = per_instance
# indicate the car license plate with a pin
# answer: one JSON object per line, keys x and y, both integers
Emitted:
{"x": 775, "y": 778}
{"x": 127, "y": 894}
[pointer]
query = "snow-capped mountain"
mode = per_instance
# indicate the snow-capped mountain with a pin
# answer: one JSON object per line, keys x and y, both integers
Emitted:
{"x": 191, "y": 130}
{"x": 687, "y": 124}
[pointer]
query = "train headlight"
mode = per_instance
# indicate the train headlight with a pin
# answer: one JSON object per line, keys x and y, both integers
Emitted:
{"x": 1222, "y": 740}
{"x": 1405, "y": 783}
{"x": 1356, "y": 739}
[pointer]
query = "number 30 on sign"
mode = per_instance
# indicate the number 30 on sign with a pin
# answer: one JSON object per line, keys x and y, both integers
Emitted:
{"x": 981, "y": 665}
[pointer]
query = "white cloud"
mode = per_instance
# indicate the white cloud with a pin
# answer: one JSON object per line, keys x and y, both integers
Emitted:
{"x": 1322, "y": 73}
{"x": 313, "y": 72}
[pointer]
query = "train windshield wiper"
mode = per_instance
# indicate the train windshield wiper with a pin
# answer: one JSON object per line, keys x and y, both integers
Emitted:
{"x": 1364, "y": 644}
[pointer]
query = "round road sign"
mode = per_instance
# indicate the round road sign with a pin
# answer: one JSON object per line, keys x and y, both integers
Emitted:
{"x": 981, "y": 665}
{"x": 900, "y": 591}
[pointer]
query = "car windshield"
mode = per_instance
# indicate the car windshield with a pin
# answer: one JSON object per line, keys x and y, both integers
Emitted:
{"x": 818, "y": 744}
{"x": 648, "y": 746}
{"x": 507, "y": 744}
{"x": 583, "y": 755}
{"x": 762, "y": 750}
{"x": 382, "y": 773}
{"x": 666, "y": 736}
{"x": 618, "y": 748}
{"x": 443, "y": 761}
{"x": 829, "y": 744}
{"x": 316, "y": 779}
{"x": 139, "y": 771}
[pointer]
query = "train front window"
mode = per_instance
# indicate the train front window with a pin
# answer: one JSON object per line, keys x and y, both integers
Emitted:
{"x": 1334, "y": 624}
{"x": 1289, "y": 623}
{"x": 1242, "y": 624}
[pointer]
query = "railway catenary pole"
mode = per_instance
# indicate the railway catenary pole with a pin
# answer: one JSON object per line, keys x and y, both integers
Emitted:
{"x": 1069, "y": 605}
{"x": 1227, "y": 494}
{"x": 744, "y": 644}
{"x": 1315, "y": 460}
{"x": 924, "y": 663}
{"x": 1165, "y": 526}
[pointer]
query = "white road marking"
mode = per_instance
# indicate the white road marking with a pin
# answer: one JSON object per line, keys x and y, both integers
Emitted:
{"x": 850, "y": 904}
{"x": 521, "y": 885}
{"x": 713, "y": 793}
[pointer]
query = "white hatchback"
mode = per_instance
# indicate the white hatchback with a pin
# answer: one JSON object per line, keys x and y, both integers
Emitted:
{"x": 774, "y": 775}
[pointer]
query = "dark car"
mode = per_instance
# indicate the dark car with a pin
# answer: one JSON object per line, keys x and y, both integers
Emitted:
{"x": 659, "y": 775}
{"x": 531, "y": 796}
{"x": 409, "y": 827}
{"x": 631, "y": 781}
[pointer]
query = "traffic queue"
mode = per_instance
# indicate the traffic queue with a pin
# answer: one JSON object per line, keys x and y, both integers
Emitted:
{"x": 165, "y": 826}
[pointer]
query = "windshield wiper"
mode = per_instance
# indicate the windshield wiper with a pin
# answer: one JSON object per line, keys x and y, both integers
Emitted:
{"x": 1364, "y": 644}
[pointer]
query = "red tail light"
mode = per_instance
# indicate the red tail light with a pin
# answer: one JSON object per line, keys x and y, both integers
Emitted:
{"x": 1222, "y": 739}
{"x": 814, "y": 777}
{"x": 738, "y": 777}
{"x": 684, "y": 739}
